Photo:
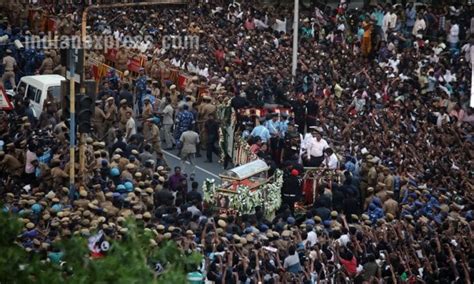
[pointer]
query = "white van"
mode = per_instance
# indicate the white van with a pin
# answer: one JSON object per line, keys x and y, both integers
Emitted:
{"x": 36, "y": 88}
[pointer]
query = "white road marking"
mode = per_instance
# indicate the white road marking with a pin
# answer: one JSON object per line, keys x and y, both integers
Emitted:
{"x": 197, "y": 167}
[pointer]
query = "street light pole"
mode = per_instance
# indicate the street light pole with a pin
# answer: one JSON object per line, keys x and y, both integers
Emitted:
{"x": 295, "y": 38}
{"x": 72, "y": 125}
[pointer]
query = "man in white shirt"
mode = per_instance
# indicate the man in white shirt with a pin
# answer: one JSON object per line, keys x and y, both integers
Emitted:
{"x": 419, "y": 26}
{"x": 260, "y": 24}
{"x": 292, "y": 261}
{"x": 312, "y": 238}
{"x": 280, "y": 25}
{"x": 189, "y": 140}
{"x": 389, "y": 22}
{"x": 203, "y": 70}
{"x": 330, "y": 161}
{"x": 130, "y": 126}
{"x": 168, "y": 121}
{"x": 316, "y": 147}
{"x": 453, "y": 37}
{"x": 176, "y": 62}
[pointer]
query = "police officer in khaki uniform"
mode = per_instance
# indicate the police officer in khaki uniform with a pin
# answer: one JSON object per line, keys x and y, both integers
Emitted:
{"x": 10, "y": 164}
{"x": 155, "y": 69}
{"x": 372, "y": 174}
{"x": 66, "y": 27}
{"x": 381, "y": 192}
{"x": 124, "y": 108}
{"x": 121, "y": 59}
{"x": 147, "y": 109}
{"x": 204, "y": 111}
{"x": 111, "y": 113}
{"x": 151, "y": 133}
{"x": 55, "y": 56}
{"x": 127, "y": 79}
{"x": 9, "y": 66}
{"x": 369, "y": 195}
{"x": 174, "y": 95}
{"x": 388, "y": 179}
{"x": 129, "y": 171}
{"x": 390, "y": 205}
{"x": 60, "y": 177}
{"x": 48, "y": 65}
{"x": 98, "y": 120}
{"x": 17, "y": 153}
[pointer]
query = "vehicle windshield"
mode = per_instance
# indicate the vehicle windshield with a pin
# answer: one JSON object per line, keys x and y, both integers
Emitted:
{"x": 56, "y": 91}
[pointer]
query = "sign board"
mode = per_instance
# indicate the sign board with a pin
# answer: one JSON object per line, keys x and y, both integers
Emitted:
{"x": 76, "y": 57}
{"x": 5, "y": 103}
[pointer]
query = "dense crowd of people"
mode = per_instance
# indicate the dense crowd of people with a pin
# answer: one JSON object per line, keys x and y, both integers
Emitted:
{"x": 381, "y": 98}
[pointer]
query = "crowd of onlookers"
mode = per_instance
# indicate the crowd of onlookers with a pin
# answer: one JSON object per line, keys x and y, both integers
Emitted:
{"x": 381, "y": 96}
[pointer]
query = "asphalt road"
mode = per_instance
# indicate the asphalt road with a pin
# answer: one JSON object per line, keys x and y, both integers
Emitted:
{"x": 203, "y": 170}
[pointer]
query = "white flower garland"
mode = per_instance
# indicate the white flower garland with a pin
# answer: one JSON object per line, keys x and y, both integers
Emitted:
{"x": 209, "y": 190}
{"x": 273, "y": 190}
{"x": 245, "y": 200}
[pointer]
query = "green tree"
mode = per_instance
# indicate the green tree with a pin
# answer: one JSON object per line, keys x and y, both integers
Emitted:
{"x": 130, "y": 260}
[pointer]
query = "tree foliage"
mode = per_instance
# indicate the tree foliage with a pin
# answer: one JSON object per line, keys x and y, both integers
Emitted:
{"x": 130, "y": 260}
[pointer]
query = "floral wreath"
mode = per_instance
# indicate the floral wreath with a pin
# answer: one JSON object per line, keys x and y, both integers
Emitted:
{"x": 245, "y": 200}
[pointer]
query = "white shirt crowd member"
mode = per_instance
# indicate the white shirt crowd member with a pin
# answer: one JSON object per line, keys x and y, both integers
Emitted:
{"x": 316, "y": 148}
{"x": 131, "y": 127}
{"x": 332, "y": 162}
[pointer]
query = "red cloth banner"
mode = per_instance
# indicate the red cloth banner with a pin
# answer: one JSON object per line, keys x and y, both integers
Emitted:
{"x": 111, "y": 54}
{"x": 308, "y": 188}
{"x": 134, "y": 65}
{"x": 182, "y": 81}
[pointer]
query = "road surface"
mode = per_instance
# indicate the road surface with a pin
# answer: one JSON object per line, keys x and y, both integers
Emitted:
{"x": 203, "y": 170}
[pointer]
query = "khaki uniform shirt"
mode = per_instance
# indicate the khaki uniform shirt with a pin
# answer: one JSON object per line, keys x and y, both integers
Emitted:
{"x": 389, "y": 182}
{"x": 126, "y": 175}
{"x": 123, "y": 114}
{"x": 99, "y": 116}
{"x": 47, "y": 66}
{"x": 382, "y": 195}
{"x": 9, "y": 63}
{"x": 372, "y": 177}
{"x": 147, "y": 111}
{"x": 111, "y": 113}
{"x": 190, "y": 139}
{"x": 12, "y": 165}
{"x": 207, "y": 110}
{"x": 122, "y": 59}
{"x": 152, "y": 134}
{"x": 391, "y": 206}
{"x": 123, "y": 163}
{"x": 59, "y": 176}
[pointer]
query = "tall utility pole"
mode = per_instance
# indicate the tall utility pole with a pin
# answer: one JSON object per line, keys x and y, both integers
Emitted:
{"x": 295, "y": 38}
{"x": 72, "y": 125}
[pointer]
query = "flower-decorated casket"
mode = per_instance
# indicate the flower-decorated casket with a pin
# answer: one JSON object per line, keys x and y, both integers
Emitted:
{"x": 245, "y": 187}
